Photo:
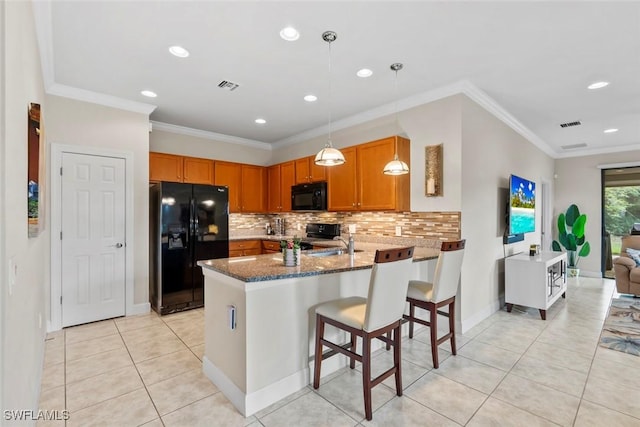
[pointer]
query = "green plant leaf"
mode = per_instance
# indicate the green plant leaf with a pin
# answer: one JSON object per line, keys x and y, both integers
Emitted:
{"x": 585, "y": 250}
{"x": 562, "y": 229}
{"x": 572, "y": 214}
{"x": 580, "y": 240}
{"x": 562, "y": 238}
{"x": 578, "y": 226}
{"x": 556, "y": 246}
{"x": 571, "y": 242}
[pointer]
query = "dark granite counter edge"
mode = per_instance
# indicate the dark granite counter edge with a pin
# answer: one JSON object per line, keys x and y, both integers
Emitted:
{"x": 295, "y": 274}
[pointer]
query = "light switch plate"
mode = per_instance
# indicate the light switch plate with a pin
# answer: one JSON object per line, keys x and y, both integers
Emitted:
{"x": 352, "y": 228}
{"x": 398, "y": 230}
{"x": 13, "y": 274}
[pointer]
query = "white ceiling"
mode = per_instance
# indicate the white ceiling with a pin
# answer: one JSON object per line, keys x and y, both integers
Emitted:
{"x": 534, "y": 60}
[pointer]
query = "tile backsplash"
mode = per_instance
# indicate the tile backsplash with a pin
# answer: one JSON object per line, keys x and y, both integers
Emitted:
{"x": 426, "y": 225}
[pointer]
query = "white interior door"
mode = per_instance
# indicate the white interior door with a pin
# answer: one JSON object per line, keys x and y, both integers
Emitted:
{"x": 93, "y": 238}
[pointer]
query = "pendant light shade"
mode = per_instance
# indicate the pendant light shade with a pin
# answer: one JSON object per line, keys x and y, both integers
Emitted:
{"x": 396, "y": 166}
{"x": 329, "y": 156}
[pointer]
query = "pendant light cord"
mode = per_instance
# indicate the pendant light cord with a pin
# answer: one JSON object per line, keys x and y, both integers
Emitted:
{"x": 330, "y": 96}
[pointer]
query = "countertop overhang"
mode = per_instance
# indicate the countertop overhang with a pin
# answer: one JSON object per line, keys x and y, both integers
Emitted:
{"x": 266, "y": 267}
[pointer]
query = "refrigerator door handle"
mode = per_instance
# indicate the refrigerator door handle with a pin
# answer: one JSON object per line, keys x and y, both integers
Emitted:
{"x": 192, "y": 215}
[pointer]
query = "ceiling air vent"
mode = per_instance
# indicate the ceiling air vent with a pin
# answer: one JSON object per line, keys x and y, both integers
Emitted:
{"x": 569, "y": 124}
{"x": 226, "y": 84}
{"x": 573, "y": 146}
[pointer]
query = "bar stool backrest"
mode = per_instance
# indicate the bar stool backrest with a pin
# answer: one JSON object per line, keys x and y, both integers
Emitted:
{"x": 388, "y": 287}
{"x": 447, "y": 275}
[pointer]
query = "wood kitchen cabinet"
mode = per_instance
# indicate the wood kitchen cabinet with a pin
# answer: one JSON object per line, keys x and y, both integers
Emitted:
{"x": 270, "y": 247}
{"x": 173, "y": 168}
{"x": 244, "y": 248}
{"x": 253, "y": 194}
{"x": 342, "y": 189}
{"x": 359, "y": 183}
{"x": 308, "y": 171}
{"x": 230, "y": 174}
{"x": 280, "y": 178}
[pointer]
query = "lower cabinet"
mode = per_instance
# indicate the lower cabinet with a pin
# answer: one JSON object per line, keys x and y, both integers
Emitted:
{"x": 244, "y": 248}
{"x": 270, "y": 247}
{"x": 535, "y": 281}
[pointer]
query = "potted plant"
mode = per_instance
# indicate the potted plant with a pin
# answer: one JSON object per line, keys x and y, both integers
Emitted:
{"x": 571, "y": 235}
{"x": 290, "y": 251}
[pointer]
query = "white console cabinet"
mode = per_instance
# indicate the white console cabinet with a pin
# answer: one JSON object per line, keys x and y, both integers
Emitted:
{"x": 535, "y": 281}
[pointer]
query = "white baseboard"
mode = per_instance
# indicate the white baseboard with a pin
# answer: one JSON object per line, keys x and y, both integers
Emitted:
{"x": 594, "y": 274}
{"x": 479, "y": 316}
{"x": 142, "y": 308}
{"x": 250, "y": 403}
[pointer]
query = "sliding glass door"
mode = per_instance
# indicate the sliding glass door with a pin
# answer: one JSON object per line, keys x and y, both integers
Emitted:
{"x": 620, "y": 210}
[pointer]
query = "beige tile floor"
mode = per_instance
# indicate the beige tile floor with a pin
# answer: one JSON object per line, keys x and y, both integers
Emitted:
{"x": 513, "y": 369}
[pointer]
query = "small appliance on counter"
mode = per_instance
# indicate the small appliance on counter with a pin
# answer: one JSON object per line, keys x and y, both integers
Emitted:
{"x": 319, "y": 231}
{"x": 279, "y": 226}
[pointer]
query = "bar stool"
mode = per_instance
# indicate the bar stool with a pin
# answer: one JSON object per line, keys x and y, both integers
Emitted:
{"x": 368, "y": 318}
{"x": 432, "y": 296}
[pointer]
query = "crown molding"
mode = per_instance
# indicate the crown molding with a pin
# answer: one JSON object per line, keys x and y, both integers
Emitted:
{"x": 100, "y": 98}
{"x": 182, "y": 130}
{"x": 599, "y": 151}
{"x": 481, "y": 98}
{"x": 374, "y": 113}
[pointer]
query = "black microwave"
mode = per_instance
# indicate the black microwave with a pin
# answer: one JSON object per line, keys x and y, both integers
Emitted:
{"x": 309, "y": 197}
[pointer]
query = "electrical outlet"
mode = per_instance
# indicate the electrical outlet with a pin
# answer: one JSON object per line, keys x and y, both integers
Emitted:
{"x": 352, "y": 228}
{"x": 398, "y": 230}
{"x": 298, "y": 226}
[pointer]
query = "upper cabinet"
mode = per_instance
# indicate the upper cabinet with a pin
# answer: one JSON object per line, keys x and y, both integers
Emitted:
{"x": 253, "y": 194}
{"x": 169, "y": 167}
{"x": 280, "y": 178}
{"x": 359, "y": 184}
{"x": 230, "y": 174}
{"x": 308, "y": 171}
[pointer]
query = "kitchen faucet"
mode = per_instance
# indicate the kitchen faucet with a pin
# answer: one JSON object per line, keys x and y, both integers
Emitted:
{"x": 349, "y": 245}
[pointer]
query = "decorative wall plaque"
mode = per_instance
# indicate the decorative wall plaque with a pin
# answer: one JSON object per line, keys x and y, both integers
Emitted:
{"x": 433, "y": 170}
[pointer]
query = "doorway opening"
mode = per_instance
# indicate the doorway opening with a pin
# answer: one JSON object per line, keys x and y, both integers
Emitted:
{"x": 620, "y": 210}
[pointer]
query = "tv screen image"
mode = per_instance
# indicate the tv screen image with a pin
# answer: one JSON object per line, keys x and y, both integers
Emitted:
{"x": 522, "y": 205}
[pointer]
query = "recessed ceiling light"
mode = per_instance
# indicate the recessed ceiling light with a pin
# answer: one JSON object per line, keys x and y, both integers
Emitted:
{"x": 598, "y": 85}
{"x": 179, "y": 51}
{"x": 260, "y": 121}
{"x": 289, "y": 34}
{"x": 612, "y": 130}
{"x": 310, "y": 98}
{"x": 365, "y": 72}
{"x": 149, "y": 93}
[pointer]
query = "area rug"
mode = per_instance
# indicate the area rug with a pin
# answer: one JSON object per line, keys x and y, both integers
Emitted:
{"x": 621, "y": 330}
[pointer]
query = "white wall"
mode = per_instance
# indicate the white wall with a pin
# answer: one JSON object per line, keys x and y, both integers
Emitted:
{"x": 187, "y": 145}
{"x": 74, "y": 122}
{"x": 22, "y": 336}
{"x": 491, "y": 151}
{"x": 579, "y": 181}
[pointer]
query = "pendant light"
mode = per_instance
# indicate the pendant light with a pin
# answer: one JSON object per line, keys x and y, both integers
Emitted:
{"x": 396, "y": 166}
{"x": 329, "y": 156}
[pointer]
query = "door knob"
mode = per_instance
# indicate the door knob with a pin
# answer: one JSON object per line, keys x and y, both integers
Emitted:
{"x": 117, "y": 245}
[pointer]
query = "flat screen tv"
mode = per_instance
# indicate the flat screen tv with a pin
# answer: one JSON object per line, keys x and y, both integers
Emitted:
{"x": 522, "y": 205}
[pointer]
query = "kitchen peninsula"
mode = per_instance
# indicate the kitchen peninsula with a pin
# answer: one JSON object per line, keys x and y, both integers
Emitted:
{"x": 260, "y": 323}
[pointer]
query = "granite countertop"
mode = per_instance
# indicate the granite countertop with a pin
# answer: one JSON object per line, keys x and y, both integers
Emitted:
{"x": 265, "y": 267}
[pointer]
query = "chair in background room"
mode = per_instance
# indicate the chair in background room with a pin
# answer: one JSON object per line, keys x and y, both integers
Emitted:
{"x": 627, "y": 266}
{"x": 369, "y": 318}
{"x": 442, "y": 291}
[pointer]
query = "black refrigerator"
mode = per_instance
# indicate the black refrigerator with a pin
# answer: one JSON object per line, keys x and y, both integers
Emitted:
{"x": 188, "y": 223}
